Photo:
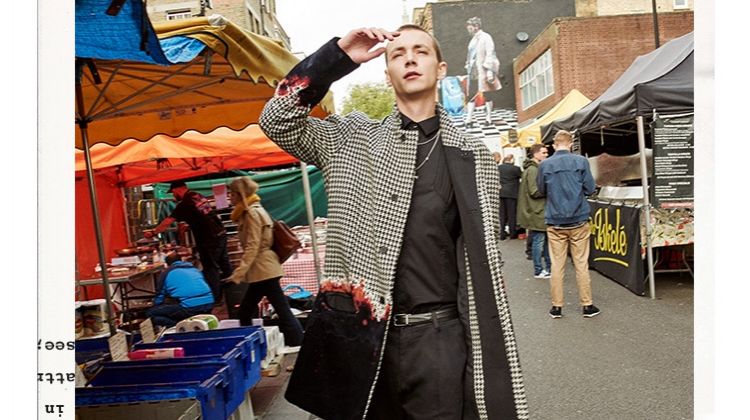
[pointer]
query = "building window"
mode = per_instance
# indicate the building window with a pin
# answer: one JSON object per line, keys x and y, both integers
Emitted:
{"x": 254, "y": 23}
{"x": 680, "y": 4}
{"x": 179, "y": 14}
{"x": 536, "y": 80}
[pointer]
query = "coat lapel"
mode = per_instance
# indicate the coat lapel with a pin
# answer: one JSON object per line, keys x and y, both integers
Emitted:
{"x": 492, "y": 383}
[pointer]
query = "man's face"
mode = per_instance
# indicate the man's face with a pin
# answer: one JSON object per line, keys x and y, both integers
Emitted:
{"x": 412, "y": 67}
{"x": 541, "y": 154}
{"x": 179, "y": 192}
{"x": 471, "y": 29}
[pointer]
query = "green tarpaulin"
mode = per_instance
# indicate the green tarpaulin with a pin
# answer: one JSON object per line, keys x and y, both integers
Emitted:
{"x": 281, "y": 193}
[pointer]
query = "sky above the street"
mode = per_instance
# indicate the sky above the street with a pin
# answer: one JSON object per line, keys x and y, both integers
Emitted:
{"x": 311, "y": 24}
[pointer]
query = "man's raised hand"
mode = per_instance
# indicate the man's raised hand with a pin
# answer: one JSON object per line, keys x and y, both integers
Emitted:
{"x": 358, "y": 42}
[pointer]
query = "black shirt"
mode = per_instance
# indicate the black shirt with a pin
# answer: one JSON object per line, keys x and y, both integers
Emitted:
{"x": 427, "y": 270}
{"x": 196, "y": 211}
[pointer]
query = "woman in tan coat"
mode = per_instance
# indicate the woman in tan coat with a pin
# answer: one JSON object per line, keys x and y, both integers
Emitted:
{"x": 260, "y": 266}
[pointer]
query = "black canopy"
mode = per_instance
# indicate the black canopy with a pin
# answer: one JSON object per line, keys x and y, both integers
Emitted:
{"x": 661, "y": 80}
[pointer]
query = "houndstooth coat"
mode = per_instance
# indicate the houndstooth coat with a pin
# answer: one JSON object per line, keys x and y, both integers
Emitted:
{"x": 369, "y": 169}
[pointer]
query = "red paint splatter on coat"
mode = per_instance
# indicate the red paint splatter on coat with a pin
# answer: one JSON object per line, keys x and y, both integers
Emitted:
{"x": 362, "y": 303}
{"x": 292, "y": 84}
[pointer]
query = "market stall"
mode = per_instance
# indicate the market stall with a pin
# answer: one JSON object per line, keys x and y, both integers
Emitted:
{"x": 136, "y": 80}
{"x": 642, "y": 125}
{"x": 163, "y": 158}
{"x": 133, "y": 81}
{"x": 532, "y": 134}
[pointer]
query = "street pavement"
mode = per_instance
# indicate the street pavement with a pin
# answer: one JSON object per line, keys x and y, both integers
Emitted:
{"x": 633, "y": 361}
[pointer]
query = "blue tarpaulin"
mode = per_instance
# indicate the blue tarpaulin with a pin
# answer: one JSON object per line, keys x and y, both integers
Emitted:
{"x": 128, "y": 35}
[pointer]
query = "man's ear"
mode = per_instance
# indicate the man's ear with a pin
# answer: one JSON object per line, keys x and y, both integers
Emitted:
{"x": 387, "y": 78}
{"x": 442, "y": 70}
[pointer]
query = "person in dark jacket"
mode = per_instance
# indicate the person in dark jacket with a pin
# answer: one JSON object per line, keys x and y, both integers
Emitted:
{"x": 566, "y": 180}
{"x": 510, "y": 175}
{"x": 531, "y": 211}
{"x": 208, "y": 231}
{"x": 186, "y": 288}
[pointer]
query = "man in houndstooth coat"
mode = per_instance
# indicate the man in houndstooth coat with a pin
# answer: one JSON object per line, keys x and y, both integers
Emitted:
{"x": 412, "y": 319}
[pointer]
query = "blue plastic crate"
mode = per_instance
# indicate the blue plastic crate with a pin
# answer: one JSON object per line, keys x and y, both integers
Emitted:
{"x": 253, "y": 337}
{"x": 94, "y": 348}
{"x": 208, "y": 382}
{"x": 237, "y": 352}
{"x": 223, "y": 332}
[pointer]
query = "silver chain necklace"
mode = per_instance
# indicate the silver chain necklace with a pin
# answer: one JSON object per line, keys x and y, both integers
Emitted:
{"x": 429, "y": 140}
{"x": 434, "y": 144}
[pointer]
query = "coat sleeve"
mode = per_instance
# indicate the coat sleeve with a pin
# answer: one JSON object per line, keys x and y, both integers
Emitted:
{"x": 161, "y": 284}
{"x": 530, "y": 180}
{"x": 540, "y": 184}
{"x": 489, "y": 58}
{"x": 285, "y": 118}
{"x": 252, "y": 246}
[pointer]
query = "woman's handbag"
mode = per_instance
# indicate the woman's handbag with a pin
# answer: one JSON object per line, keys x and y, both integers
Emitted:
{"x": 285, "y": 241}
{"x": 302, "y": 299}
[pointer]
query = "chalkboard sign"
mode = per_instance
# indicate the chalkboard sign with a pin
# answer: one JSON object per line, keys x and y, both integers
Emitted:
{"x": 672, "y": 185}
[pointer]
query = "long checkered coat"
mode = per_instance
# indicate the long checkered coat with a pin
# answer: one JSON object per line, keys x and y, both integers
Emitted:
{"x": 369, "y": 168}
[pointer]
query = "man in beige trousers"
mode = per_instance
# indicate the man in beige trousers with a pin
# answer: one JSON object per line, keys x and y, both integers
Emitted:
{"x": 566, "y": 181}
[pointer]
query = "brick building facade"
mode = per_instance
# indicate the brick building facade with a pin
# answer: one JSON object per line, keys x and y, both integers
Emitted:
{"x": 589, "y": 53}
{"x": 591, "y": 42}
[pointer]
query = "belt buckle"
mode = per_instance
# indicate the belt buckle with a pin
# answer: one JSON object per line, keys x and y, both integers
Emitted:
{"x": 398, "y": 324}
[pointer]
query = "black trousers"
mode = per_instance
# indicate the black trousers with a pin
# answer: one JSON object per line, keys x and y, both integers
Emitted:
{"x": 288, "y": 324}
{"x": 423, "y": 374}
{"x": 508, "y": 216}
{"x": 216, "y": 266}
{"x": 170, "y": 314}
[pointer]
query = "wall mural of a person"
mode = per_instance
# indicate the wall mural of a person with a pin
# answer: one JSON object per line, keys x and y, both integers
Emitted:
{"x": 482, "y": 67}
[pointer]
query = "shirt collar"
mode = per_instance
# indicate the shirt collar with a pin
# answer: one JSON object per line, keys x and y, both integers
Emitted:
{"x": 428, "y": 127}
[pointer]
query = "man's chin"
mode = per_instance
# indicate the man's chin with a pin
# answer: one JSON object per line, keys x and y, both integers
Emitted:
{"x": 413, "y": 89}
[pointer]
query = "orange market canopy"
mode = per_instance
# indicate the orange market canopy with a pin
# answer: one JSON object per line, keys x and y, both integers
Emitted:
{"x": 193, "y": 154}
{"x": 226, "y": 83}
{"x": 532, "y": 134}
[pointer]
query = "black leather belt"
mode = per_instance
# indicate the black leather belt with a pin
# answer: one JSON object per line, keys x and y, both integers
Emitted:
{"x": 404, "y": 320}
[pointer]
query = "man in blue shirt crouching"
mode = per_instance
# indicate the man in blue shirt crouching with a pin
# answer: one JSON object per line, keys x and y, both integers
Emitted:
{"x": 185, "y": 284}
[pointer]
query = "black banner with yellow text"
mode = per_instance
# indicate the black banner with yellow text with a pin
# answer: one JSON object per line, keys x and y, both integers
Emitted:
{"x": 616, "y": 244}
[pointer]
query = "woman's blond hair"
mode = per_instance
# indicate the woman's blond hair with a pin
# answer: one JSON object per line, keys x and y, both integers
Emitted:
{"x": 244, "y": 186}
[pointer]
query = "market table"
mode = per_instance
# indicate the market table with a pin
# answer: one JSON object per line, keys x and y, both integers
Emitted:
{"x": 619, "y": 241}
{"x": 299, "y": 269}
{"x": 139, "y": 280}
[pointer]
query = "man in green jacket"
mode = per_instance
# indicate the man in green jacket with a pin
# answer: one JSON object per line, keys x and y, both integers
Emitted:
{"x": 531, "y": 211}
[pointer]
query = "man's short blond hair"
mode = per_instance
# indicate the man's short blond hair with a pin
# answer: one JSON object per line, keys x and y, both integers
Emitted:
{"x": 563, "y": 137}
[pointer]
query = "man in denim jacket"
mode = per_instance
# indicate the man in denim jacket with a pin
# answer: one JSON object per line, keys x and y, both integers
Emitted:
{"x": 566, "y": 180}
